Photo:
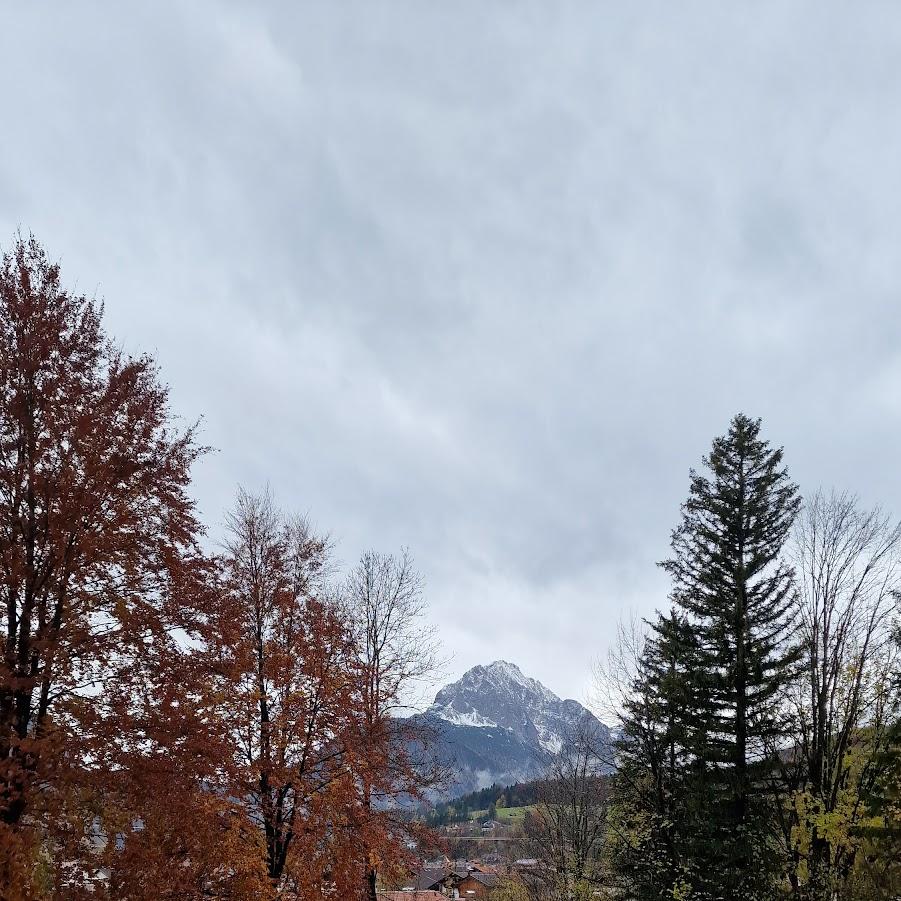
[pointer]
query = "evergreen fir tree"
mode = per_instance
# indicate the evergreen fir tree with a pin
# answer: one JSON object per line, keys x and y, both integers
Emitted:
{"x": 658, "y": 791}
{"x": 737, "y": 594}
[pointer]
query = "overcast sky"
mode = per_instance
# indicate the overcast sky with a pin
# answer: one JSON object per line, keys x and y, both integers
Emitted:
{"x": 483, "y": 279}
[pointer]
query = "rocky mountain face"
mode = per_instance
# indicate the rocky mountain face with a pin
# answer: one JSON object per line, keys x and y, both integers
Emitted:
{"x": 497, "y": 725}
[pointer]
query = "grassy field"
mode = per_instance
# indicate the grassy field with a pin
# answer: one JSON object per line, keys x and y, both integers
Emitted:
{"x": 507, "y": 815}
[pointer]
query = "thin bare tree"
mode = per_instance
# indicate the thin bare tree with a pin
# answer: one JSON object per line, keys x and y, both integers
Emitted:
{"x": 848, "y": 565}
{"x": 398, "y": 658}
{"x": 566, "y": 830}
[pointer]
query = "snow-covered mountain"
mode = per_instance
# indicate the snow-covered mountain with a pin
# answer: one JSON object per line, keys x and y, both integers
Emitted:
{"x": 497, "y": 725}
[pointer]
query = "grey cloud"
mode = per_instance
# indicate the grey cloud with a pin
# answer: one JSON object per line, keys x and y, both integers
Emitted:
{"x": 484, "y": 278}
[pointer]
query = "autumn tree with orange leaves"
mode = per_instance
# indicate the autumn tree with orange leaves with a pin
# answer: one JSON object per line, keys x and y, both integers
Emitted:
{"x": 175, "y": 724}
{"x": 97, "y": 536}
{"x": 284, "y": 653}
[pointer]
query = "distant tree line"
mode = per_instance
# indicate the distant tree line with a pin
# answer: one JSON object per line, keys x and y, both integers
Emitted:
{"x": 175, "y": 723}
{"x": 461, "y": 809}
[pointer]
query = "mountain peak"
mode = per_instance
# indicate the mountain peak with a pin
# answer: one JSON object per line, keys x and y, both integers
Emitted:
{"x": 505, "y": 665}
{"x": 500, "y": 694}
{"x": 506, "y": 669}
{"x": 499, "y": 724}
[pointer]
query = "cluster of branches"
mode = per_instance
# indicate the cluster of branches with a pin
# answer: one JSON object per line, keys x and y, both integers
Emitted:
{"x": 173, "y": 723}
{"x": 565, "y": 831}
{"x": 760, "y": 716}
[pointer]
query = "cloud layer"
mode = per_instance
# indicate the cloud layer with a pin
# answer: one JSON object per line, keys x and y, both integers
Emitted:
{"x": 483, "y": 279}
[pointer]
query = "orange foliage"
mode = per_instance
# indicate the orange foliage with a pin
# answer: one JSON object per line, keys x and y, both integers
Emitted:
{"x": 102, "y": 743}
{"x": 172, "y": 726}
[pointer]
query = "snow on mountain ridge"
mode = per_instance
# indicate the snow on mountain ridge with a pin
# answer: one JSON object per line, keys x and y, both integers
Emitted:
{"x": 449, "y": 715}
{"x": 501, "y": 695}
{"x": 495, "y": 724}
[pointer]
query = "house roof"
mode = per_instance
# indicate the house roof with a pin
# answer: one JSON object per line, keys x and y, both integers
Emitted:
{"x": 483, "y": 868}
{"x": 410, "y": 896}
{"x": 428, "y": 878}
{"x": 488, "y": 879}
{"x": 431, "y": 877}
